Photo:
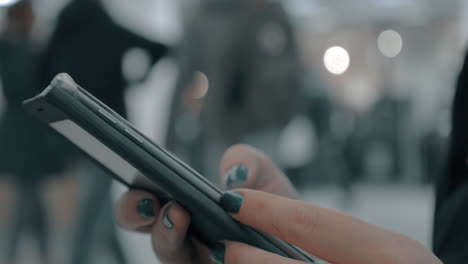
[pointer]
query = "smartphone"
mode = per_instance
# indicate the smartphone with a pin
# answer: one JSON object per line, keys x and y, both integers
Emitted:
{"x": 137, "y": 162}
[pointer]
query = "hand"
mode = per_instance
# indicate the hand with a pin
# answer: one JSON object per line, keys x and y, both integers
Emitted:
{"x": 330, "y": 235}
{"x": 241, "y": 166}
{"x": 333, "y": 236}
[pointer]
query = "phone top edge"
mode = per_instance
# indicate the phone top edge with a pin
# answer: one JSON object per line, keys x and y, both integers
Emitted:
{"x": 60, "y": 81}
{"x": 65, "y": 82}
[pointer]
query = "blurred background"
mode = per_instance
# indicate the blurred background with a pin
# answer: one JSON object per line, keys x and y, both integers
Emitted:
{"x": 352, "y": 99}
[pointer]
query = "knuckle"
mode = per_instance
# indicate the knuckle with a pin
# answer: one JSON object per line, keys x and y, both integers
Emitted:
{"x": 304, "y": 221}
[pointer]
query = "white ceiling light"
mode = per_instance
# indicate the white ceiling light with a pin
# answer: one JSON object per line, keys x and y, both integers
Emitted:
{"x": 336, "y": 60}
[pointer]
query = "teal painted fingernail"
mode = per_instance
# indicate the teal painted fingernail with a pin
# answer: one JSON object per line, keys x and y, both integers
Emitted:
{"x": 232, "y": 202}
{"x": 217, "y": 253}
{"x": 145, "y": 208}
{"x": 236, "y": 176}
{"x": 166, "y": 219}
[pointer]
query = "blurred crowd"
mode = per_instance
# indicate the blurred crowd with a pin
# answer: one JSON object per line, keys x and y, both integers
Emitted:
{"x": 245, "y": 74}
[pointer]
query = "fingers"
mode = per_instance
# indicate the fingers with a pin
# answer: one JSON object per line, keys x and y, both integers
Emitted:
{"x": 245, "y": 167}
{"x": 140, "y": 211}
{"x": 327, "y": 234}
{"x": 136, "y": 210}
{"x": 169, "y": 235}
{"x": 238, "y": 253}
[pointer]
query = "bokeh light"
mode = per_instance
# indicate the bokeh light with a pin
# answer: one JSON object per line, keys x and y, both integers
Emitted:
{"x": 200, "y": 85}
{"x": 390, "y": 43}
{"x": 135, "y": 64}
{"x": 7, "y": 2}
{"x": 336, "y": 60}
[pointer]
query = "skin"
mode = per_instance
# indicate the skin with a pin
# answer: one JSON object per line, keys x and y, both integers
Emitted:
{"x": 328, "y": 234}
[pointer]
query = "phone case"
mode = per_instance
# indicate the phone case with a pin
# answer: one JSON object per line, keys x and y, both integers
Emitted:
{"x": 120, "y": 148}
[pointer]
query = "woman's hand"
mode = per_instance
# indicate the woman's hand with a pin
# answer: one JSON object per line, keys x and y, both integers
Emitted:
{"x": 330, "y": 235}
{"x": 241, "y": 167}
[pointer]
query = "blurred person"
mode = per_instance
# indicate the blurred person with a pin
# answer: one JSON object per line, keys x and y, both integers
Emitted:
{"x": 450, "y": 239}
{"x": 382, "y": 135}
{"x": 432, "y": 146}
{"x": 89, "y": 46}
{"x": 24, "y": 155}
{"x": 246, "y": 49}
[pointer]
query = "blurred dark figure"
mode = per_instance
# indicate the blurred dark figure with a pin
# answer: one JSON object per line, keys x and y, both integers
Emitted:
{"x": 382, "y": 136}
{"x": 247, "y": 51}
{"x": 432, "y": 148}
{"x": 450, "y": 229}
{"x": 23, "y": 151}
{"x": 319, "y": 111}
{"x": 89, "y": 46}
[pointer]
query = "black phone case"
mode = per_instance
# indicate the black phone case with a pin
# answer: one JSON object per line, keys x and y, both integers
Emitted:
{"x": 65, "y": 100}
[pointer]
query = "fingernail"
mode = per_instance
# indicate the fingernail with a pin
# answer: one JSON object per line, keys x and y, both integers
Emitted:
{"x": 166, "y": 219}
{"x": 236, "y": 176}
{"x": 145, "y": 208}
{"x": 232, "y": 202}
{"x": 217, "y": 253}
